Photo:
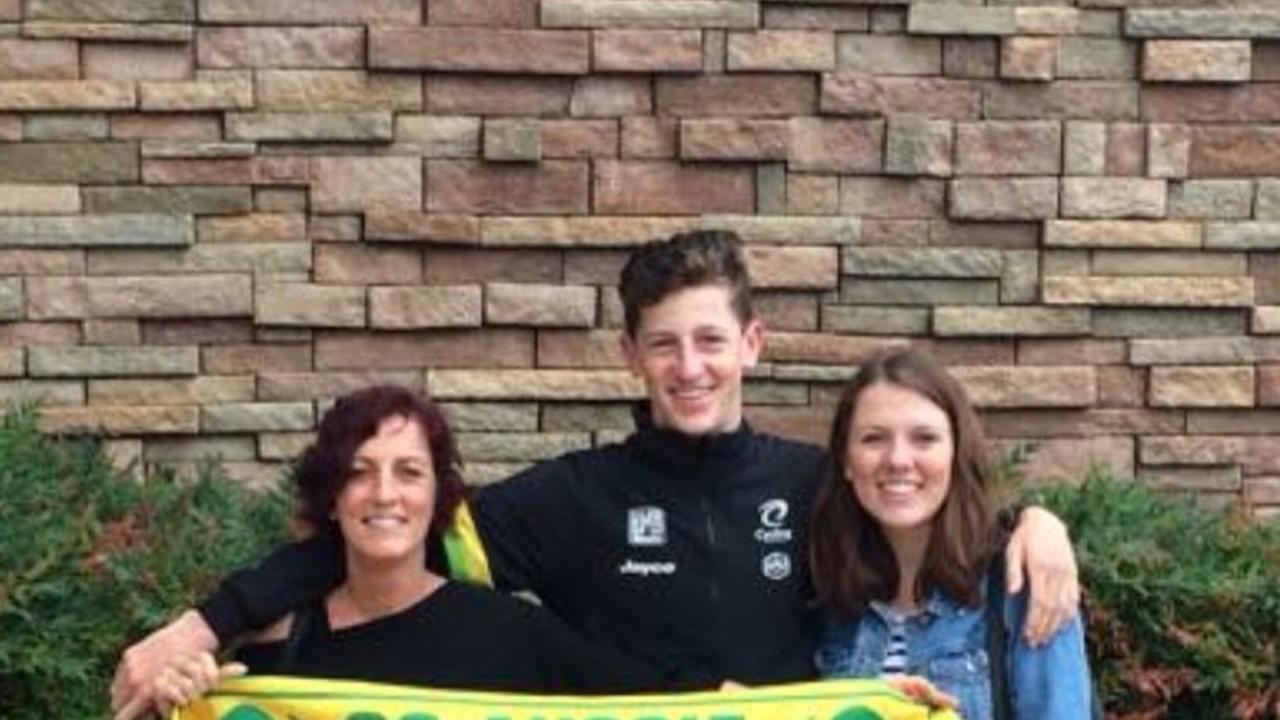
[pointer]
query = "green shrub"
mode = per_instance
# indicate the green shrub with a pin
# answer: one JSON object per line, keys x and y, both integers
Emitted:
{"x": 1183, "y": 603}
{"x": 91, "y": 559}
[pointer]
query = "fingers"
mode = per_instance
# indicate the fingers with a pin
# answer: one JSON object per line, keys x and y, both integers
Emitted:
{"x": 921, "y": 690}
{"x": 235, "y": 669}
{"x": 141, "y": 663}
{"x": 1051, "y": 574}
{"x": 1013, "y": 559}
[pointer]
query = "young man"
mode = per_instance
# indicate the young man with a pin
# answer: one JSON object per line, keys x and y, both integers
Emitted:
{"x": 684, "y": 546}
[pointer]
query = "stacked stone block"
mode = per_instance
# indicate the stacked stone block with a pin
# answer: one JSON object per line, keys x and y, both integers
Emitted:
{"x": 216, "y": 215}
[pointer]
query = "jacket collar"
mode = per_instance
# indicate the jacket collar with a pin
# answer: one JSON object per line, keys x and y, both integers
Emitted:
{"x": 689, "y": 452}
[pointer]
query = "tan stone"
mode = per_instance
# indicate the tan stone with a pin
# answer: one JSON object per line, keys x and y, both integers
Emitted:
{"x": 225, "y": 92}
{"x": 1222, "y": 350}
{"x": 579, "y": 349}
{"x": 1191, "y": 449}
{"x": 336, "y": 12}
{"x": 1196, "y": 60}
{"x": 294, "y": 386}
{"x": 335, "y": 91}
{"x": 256, "y": 417}
{"x": 646, "y": 50}
{"x": 650, "y": 14}
{"x": 539, "y": 305}
{"x": 512, "y": 140}
{"x": 781, "y": 50}
{"x": 1202, "y": 386}
{"x": 39, "y": 199}
{"x": 107, "y": 361}
{"x": 309, "y": 305}
{"x": 1121, "y": 234}
{"x": 280, "y": 47}
{"x": 1020, "y": 321}
{"x": 140, "y": 296}
{"x": 1069, "y": 460}
{"x": 1149, "y": 291}
{"x": 591, "y": 231}
{"x": 484, "y": 348}
{"x": 45, "y": 392}
{"x": 425, "y": 307}
{"x": 133, "y": 61}
{"x": 1029, "y": 58}
{"x": 365, "y": 183}
{"x": 185, "y": 391}
{"x": 125, "y": 32}
{"x": 1113, "y": 197}
{"x": 1004, "y": 199}
{"x": 534, "y": 384}
{"x": 439, "y": 136}
{"x": 456, "y": 49}
{"x": 67, "y": 95}
{"x": 231, "y": 359}
{"x": 1266, "y": 320}
{"x": 659, "y": 188}
{"x": 793, "y": 267}
{"x": 1027, "y": 387}
{"x": 22, "y": 59}
{"x": 130, "y": 420}
{"x": 509, "y": 446}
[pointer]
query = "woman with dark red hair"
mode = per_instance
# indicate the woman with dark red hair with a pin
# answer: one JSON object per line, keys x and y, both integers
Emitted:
{"x": 383, "y": 476}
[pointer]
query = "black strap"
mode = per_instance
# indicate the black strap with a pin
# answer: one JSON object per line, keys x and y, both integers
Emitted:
{"x": 997, "y": 640}
{"x": 306, "y": 620}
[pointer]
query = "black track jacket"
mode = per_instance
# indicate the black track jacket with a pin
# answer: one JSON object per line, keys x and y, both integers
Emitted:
{"x": 688, "y": 553}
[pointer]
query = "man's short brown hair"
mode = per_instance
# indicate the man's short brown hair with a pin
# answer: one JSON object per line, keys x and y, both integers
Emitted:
{"x": 691, "y": 259}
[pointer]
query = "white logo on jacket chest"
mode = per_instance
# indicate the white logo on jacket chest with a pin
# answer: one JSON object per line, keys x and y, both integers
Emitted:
{"x": 646, "y": 526}
{"x": 773, "y": 521}
{"x": 776, "y": 566}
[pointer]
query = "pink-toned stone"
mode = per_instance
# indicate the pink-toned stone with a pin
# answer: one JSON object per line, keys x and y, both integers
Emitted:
{"x": 661, "y": 188}
{"x": 1209, "y": 103}
{"x": 646, "y": 50}
{"x": 134, "y": 61}
{"x": 1062, "y": 99}
{"x": 167, "y": 126}
{"x": 38, "y": 59}
{"x": 1004, "y": 199}
{"x": 365, "y": 183}
{"x": 488, "y": 348}
{"x": 1235, "y": 151}
{"x": 1126, "y": 149}
{"x": 1269, "y": 385}
{"x": 1008, "y": 148}
{"x": 605, "y": 96}
{"x": 493, "y": 13}
{"x": 579, "y": 138}
{"x": 738, "y": 94}
{"x": 456, "y": 94}
{"x": 863, "y": 95}
{"x": 733, "y": 139}
{"x": 386, "y": 224}
{"x": 365, "y": 264}
{"x": 335, "y": 12}
{"x": 836, "y": 146}
{"x": 881, "y": 197}
{"x": 808, "y": 268}
{"x": 280, "y": 47}
{"x": 550, "y": 187}
{"x": 1029, "y": 58}
{"x": 650, "y": 137}
{"x": 454, "y": 49}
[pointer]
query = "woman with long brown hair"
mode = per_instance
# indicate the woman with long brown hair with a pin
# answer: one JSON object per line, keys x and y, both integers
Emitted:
{"x": 902, "y": 540}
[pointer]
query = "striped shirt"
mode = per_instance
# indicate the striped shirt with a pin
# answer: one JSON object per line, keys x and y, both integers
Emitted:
{"x": 895, "y": 652}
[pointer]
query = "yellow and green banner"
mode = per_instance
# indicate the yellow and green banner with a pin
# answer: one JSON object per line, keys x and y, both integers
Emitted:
{"x": 279, "y": 698}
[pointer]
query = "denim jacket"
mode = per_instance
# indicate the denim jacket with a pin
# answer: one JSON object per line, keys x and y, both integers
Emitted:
{"x": 946, "y": 643}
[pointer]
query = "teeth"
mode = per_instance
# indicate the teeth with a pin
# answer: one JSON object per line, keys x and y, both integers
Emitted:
{"x": 384, "y": 522}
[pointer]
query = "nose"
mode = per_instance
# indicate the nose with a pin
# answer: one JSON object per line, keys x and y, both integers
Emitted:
{"x": 899, "y": 454}
{"x": 384, "y": 487}
{"x": 689, "y": 363}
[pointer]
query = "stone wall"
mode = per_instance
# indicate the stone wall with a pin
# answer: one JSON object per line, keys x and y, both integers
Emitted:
{"x": 216, "y": 214}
